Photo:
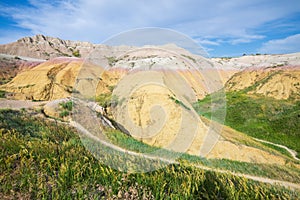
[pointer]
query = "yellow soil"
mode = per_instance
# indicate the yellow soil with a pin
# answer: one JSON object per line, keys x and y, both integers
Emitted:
{"x": 279, "y": 82}
{"x": 146, "y": 107}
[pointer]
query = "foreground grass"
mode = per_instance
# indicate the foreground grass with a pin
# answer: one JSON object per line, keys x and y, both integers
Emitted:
{"x": 287, "y": 173}
{"x": 43, "y": 160}
{"x": 265, "y": 118}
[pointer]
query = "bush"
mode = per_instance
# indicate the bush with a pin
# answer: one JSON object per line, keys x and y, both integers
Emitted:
{"x": 76, "y": 53}
{"x": 64, "y": 113}
{"x": 67, "y": 105}
{"x": 104, "y": 99}
{"x": 2, "y": 94}
{"x": 111, "y": 60}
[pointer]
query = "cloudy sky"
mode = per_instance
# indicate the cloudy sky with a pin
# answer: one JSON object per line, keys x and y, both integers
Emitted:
{"x": 223, "y": 28}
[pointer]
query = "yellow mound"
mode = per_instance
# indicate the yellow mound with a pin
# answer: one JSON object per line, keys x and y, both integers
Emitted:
{"x": 278, "y": 82}
{"x": 154, "y": 106}
{"x": 50, "y": 80}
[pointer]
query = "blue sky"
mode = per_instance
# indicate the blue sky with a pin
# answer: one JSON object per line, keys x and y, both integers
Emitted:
{"x": 223, "y": 28}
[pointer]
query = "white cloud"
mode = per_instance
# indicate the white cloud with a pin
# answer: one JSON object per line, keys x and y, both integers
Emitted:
{"x": 245, "y": 39}
{"x": 208, "y": 42}
{"x": 93, "y": 20}
{"x": 289, "y": 44}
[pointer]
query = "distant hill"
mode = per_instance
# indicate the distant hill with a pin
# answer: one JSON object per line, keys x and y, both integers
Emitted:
{"x": 49, "y": 80}
{"x": 10, "y": 66}
{"x": 275, "y": 76}
{"x": 257, "y": 61}
{"x": 44, "y": 47}
{"x": 279, "y": 82}
{"x": 262, "y": 102}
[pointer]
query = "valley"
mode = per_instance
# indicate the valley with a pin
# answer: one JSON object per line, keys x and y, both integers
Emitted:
{"x": 147, "y": 122}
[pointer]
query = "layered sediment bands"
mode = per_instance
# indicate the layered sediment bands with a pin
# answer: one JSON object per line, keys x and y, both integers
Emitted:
{"x": 56, "y": 79}
{"x": 279, "y": 82}
{"x": 50, "y": 80}
{"x": 10, "y": 66}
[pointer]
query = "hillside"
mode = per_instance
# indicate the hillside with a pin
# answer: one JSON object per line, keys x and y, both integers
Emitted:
{"x": 279, "y": 82}
{"x": 10, "y": 66}
{"x": 258, "y": 61}
{"x": 182, "y": 85}
{"x": 54, "y": 80}
{"x": 61, "y": 73}
{"x": 45, "y": 160}
{"x": 49, "y": 80}
{"x": 136, "y": 109}
{"x": 262, "y": 102}
{"x": 44, "y": 47}
{"x": 266, "y": 118}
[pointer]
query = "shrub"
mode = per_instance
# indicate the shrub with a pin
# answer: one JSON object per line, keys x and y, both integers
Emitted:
{"x": 107, "y": 99}
{"x": 76, "y": 53}
{"x": 111, "y": 60}
{"x": 64, "y": 113}
{"x": 2, "y": 94}
{"x": 67, "y": 105}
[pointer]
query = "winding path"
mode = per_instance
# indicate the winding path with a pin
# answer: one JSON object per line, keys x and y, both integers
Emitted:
{"x": 19, "y": 104}
{"x": 286, "y": 184}
{"x": 292, "y": 152}
{"x": 14, "y": 104}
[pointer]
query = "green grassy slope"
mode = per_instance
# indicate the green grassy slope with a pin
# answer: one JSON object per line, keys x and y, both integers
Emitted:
{"x": 265, "y": 118}
{"x": 287, "y": 173}
{"x": 43, "y": 160}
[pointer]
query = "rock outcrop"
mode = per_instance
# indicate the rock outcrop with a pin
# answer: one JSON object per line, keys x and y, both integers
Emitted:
{"x": 44, "y": 47}
{"x": 254, "y": 61}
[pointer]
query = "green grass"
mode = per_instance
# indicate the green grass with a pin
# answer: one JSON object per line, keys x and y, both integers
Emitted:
{"x": 68, "y": 105}
{"x": 265, "y": 118}
{"x": 2, "y": 94}
{"x": 76, "y": 53}
{"x": 108, "y": 99}
{"x": 286, "y": 173}
{"x": 127, "y": 142}
{"x": 64, "y": 113}
{"x": 45, "y": 160}
{"x": 111, "y": 60}
{"x": 281, "y": 150}
{"x": 104, "y": 99}
{"x": 66, "y": 108}
{"x": 179, "y": 102}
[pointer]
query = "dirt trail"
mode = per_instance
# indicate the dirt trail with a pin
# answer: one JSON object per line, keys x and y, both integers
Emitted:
{"x": 19, "y": 104}
{"x": 16, "y": 104}
{"x": 286, "y": 184}
{"x": 292, "y": 152}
